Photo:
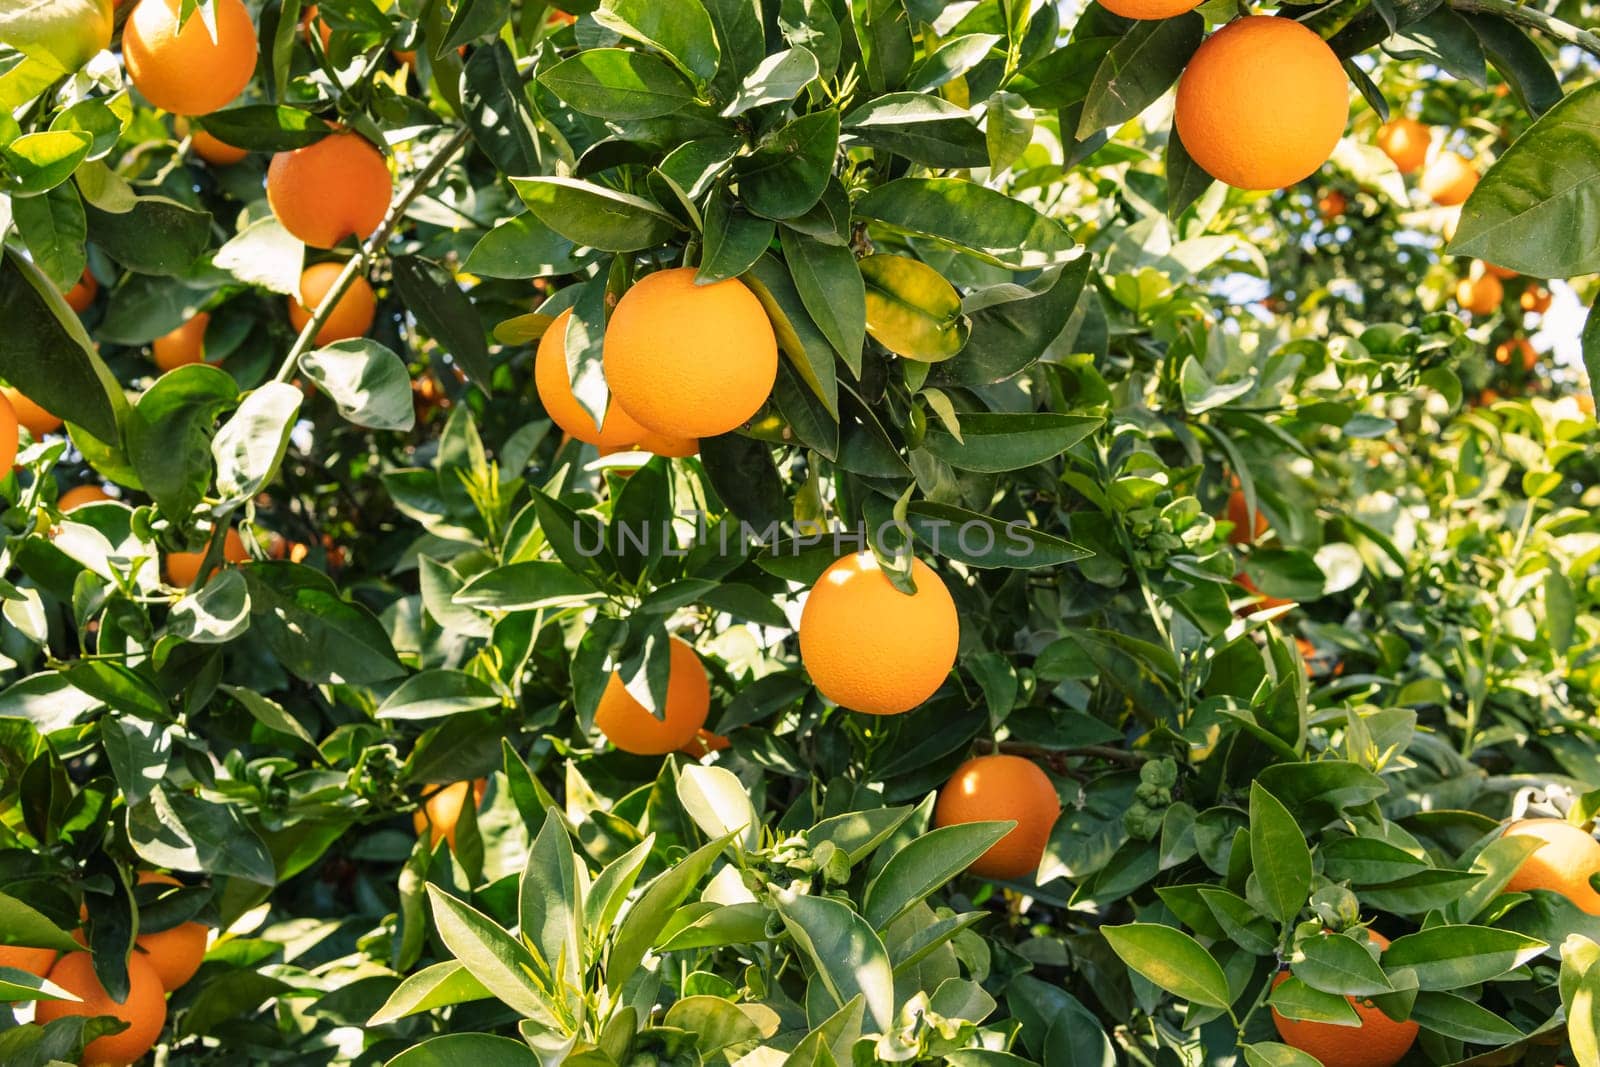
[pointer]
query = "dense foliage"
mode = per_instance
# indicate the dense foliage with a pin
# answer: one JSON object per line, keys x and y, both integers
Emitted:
{"x": 1269, "y": 541}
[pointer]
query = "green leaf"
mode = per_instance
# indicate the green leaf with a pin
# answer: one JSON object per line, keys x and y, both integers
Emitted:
{"x": 1013, "y": 325}
{"x": 719, "y": 804}
{"x": 431, "y": 293}
{"x": 1520, "y": 61}
{"x": 923, "y": 128}
{"x": 249, "y": 447}
{"x": 985, "y": 541}
{"x": 831, "y": 287}
{"x": 215, "y": 614}
{"x": 1172, "y": 960}
{"x": 1273, "y": 1054}
{"x": 801, "y": 340}
{"x": 883, "y": 38}
{"x": 847, "y": 954}
{"x": 156, "y": 236}
{"x": 526, "y": 586}
{"x": 1187, "y": 181}
{"x": 494, "y": 104}
{"x": 618, "y": 84}
{"x": 911, "y": 310}
{"x": 65, "y": 34}
{"x": 521, "y": 247}
{"x": 495, "y": 958}
{"x": 1537, "y": 210}
{"x": 1296, "y": 1000}
{"x": 734, "y": 239}
{"x": 263, "y": 253}
{"x": 20, "y": 924}
{"x": 168, "y": 434}
{"x": 972, "y": 218}
{"x": 38, "y": 162}
{"x": 45, "y": 351}
{"x": 994, "y": 442}
{"x": 319, "y": 636}
{"x": 653, "y": 908}
{"x": 550, "y": 906}
{"x": 438, "y": 985}
{"x": 265, "y": 127}
{"x": 53, "y": 228}
{"x": 681, "y": 31}
{"x": 437, "y": 693}
{"x": 368, "y": 383}
{"x": 1279, "y": 855}
{"x": 777, "y": 79}
{"x": 787, "y": 173}
{"x": 189, "y": 833}
{"x": 1457, "y": 1017}
{"x": 1139, "y": 69}
{"x": 1337, "y": 963}
{"x": 1451, "y": 957}
{"x": 594, "y": 216}
{"x": 923, "y": 866}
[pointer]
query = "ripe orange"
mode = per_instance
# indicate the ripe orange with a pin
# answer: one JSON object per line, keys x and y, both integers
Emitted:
{"x": 208, "y": 146}
{"x": 79, "y": 495}
{"x": 351, "y": 317}
{"x": 1535, "y": 299}
{"x": 1519, "y": 347}
{"x": 1149, "y": 9}
{"x": 1239, "y": 516}
{"x": 325, "y": 192}
{"x": 670, "y": 447}
{"x": 630, "y": 726}
{"x": 441, "y": 811}
{"x": 184, "y": 567}
{"x": 1449, "y": 179}
{"x": 174, "y": 953}
{"x": 1405, "y": 142}
{"x": 186, "y": 72}
{"x": 689, "y": 360}
{"x": 990, "y": 788}
{"x": 37, "y": 420}
{"x": 1487, "y": 397}
{"x": 1262, "y": 103}
{"x": 145, "y": 1008}
{"x": 82, "y": 294}
{"x": 871, "y": 648}
{"x": 1378, "y": 1042}
{"x": 1332, "y": 204}
{"x": 1480, "y": 295}
{"x": 554, "y": 386}
{"x": 703, "y": 743}
{"x": 36, "y": 961}
{"x": 185, "y": 345}
{"x": 10, "y": 439}
{"x": 1562, "y": 864}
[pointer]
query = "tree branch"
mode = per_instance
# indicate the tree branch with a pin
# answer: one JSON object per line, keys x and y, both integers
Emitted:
{"x": 1534, "y": 19}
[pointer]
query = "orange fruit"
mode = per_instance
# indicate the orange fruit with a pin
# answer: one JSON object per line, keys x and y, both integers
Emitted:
{"x": 1480, "y": 295}
{"x": 670, "y": 447}
{"x": 176, "y": 952}
{"x": 1262, "y": 103}
{"x": 145, "y": 1009}
{"x": 37, "y": 420}
{"x": 1487, "y": 397}
{"x": 1519, "y": 347}
{"x": 689, "y": 360}
{"x": 184, "y": 567}
{"x": 1332, "y": 204}
{"x": 1499, "y": 272}
{"x": 82, "y": 294}
{"x": 1239, "y": 516}
{"x": 10, "y": 439}
{"x": 1149, "y": 9}
{"x": 993, "y": 788}
{"x": 1449, "y": 179}
{"x": 185, "y": 345}
{"x": 36, "y": 961}
{"x": 208, "y": 146}
{"x": 441, "y": 811}
{"x": 79, "y": 495}
{"x": 336, "y": 188}
{"x": 871, "y": 648}
{"x": 703, "y": 743}
{"x": 554, "y": 385}
{"x": 630, "y": 726}
{"x": 1378, "y": 1042}
{"x": 351, "y": 317}
{"x": 186, "y": 72}
{"x": 1535, "y": 299}
{"x": 1586, "y": 404}
{"x": 1405, "y": 142}
{"x": 1562, "y": 864}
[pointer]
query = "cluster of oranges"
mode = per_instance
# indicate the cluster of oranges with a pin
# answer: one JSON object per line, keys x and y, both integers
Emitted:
{"x": 1561, "y": 864}
{"x": 160, "y": 963}
{"x": 1447, "y": 179}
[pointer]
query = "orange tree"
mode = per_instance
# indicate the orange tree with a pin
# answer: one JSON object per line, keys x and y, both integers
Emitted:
{"x": 796, "y": 531}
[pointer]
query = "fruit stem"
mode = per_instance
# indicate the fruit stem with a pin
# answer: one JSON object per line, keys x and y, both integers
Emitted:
{"x": 369, "y": 250}
{"x": 1532, "y": 18}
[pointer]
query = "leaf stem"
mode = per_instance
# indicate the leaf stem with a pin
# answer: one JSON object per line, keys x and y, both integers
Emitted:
{"x": 1532, "y": 18}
